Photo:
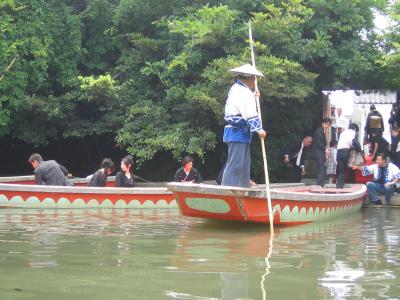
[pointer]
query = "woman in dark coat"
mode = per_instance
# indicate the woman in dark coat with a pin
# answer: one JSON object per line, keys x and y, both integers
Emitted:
{"x": 187, "y": 173}
{"x": 124, "y": 178}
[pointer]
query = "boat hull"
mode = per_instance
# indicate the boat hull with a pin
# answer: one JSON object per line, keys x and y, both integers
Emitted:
{"x": 290, "y": 205}
{"x": 34, "y": 196}
{"x": 30, "y": 180}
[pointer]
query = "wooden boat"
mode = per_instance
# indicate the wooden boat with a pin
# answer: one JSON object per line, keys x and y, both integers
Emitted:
{"x": 40, "y": 196}
{"x": 30, "y": 179}
{"x": 291, "y": 204}
{"x": 26, "y": 179}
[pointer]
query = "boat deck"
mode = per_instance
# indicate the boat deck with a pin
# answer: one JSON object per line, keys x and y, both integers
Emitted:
{"x": 318, "y": 190}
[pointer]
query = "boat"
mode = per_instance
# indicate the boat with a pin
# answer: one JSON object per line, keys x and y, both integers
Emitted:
{"x": 14, "y": 195}
{"x": 30, "y": 179}
{"x": 297, "y": 204}
{"x": 25, "y": 179}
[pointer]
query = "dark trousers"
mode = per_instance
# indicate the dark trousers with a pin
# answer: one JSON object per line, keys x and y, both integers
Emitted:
{"x": 343, "y": 156}
{"x": 237, "y": 169}
{"x": 321, "y": 168}
{"x": 333, "y": 134}
{"x": 292, "y": 173}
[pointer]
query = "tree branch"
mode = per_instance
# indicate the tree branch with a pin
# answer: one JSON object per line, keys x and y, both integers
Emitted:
{"x": 8, "y": 68}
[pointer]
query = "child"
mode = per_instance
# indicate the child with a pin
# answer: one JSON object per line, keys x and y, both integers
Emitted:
{"x": 331, "y": 162}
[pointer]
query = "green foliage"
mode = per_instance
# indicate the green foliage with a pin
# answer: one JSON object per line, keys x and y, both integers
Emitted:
{"x": 8, "y": 52}
{"x": 331, "y": 38}
{"x": 390, "y": 61}
{"x": 45, "y": 38}
{"x": 148, "y": 129}
{"x": 100, "y": 52}
{"x": 97, "y": 108}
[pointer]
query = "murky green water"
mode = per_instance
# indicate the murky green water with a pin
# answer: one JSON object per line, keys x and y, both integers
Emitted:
{"x": 148, "y": 254}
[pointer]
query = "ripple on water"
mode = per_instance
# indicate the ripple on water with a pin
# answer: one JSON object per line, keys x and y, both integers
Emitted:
{"x": 114, "y": 254}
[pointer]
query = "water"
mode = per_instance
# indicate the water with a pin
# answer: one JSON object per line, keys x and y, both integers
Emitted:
{"x": 149, "y": 254}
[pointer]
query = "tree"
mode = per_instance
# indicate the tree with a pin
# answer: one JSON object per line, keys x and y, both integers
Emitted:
{"x": 390, "y": 61}
{"x": 46, "y": 38}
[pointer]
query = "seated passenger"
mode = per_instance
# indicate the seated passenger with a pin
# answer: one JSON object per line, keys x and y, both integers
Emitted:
{"x": 187, "y": 173}
{"x": 124, "y": 178}
{"x": 48, "y": 172}
{"x": 100, "y": 177}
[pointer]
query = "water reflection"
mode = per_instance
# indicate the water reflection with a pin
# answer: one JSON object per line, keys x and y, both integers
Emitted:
{"x": 113, "y": 254}
{"x": 235, "y": 251}
{"x": 366, "y": 261}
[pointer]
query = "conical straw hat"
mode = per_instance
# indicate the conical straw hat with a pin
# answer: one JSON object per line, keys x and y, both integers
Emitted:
{"x": 247, "y": 69}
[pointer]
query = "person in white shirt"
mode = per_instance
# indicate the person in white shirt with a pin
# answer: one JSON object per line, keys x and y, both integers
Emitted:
{"x": 341, "y": 122}
{"x": 386, "y": 176}
{"x": 347, "y": 142}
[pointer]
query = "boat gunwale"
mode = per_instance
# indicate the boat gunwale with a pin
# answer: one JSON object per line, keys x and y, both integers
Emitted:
{"x": 319, "y": 197}
{"x": 10, "y": 179}
{"x": 82, "y": 189}
{"x": 16, "y": 178}
{"x": 276, "y": 192}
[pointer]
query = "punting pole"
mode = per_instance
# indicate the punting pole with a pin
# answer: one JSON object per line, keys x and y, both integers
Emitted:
{"x": 267, "y": 189}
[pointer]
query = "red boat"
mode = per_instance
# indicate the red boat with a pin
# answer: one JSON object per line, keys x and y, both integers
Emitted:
{"x": 30, "y": 179}
{"x": 27, "y": 179}
{"x": 20, "y": 191}
{"x": 291, "y": 204}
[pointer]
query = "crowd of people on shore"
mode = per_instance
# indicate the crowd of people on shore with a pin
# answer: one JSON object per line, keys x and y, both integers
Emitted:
{"x": 344, "y": 154}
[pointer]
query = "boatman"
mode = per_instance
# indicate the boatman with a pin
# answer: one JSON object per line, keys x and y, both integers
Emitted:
{"x": 243, "y": 120}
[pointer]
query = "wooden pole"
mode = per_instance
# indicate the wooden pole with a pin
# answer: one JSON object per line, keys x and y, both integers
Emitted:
{"x": 267, "y": 189}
